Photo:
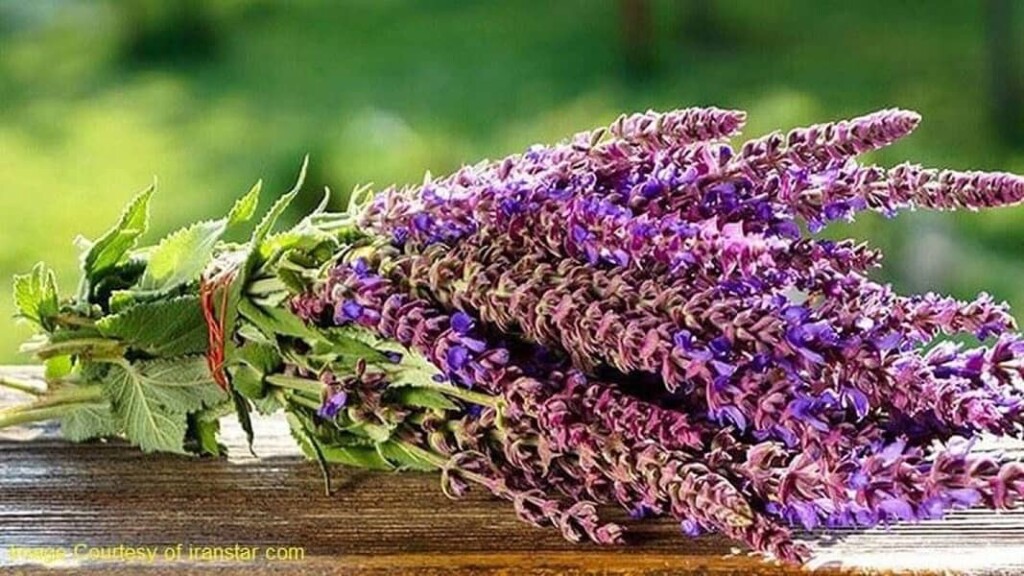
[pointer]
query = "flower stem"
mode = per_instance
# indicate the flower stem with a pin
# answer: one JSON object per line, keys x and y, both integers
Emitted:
{"x": 440, "y": 462}
{"x": 70, "y": 395}
{"x": 74, "y": 321}
{"x": 463, "y": 394}
{"x": 298, "y": 384}
{"x": 33, "y": 413}
{"x": 433, "y": 458}
{"x": 94, "y": 347}
{"x": 53, "y": 406}
{"x": 316, "y": 387}
{"x": 302, "y": 400}
{"x": 21, "y": 385}
{"x": 16, "y": 417}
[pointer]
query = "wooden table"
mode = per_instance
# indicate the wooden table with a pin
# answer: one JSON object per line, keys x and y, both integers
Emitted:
{"x": 105, "y": 494}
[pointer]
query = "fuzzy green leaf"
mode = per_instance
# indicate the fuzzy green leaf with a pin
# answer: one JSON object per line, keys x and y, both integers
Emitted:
{"x": 356, "y": 456}
{"x": 245, "y": 208}
{"x": 267, "y": 405}
{"x": 266, "y": 225}
{"x": 242, "y": 411}
{"x": 358, "y": 342}
{"x": 57, "y": 368}
{"x": 375, "y": 432}
{"x": 252, "y": 258}
{"x": 403, "y": 459}
{"x": 255, "y": 360}
{"x": 424, "y": 398}
{"x": 88, "y": 422}
{"x": 263, "y": 357}
{"x": 106, "y": 252}
{"x": 153, "y": 398}
{"x": 277, "y": 322}
{"x": 182, "y": 256}
{"x": 248, "y": 382}
{"x": 206, "y": 434}
{"x": 36, "y": 297}
{"x": 163, "y": 328}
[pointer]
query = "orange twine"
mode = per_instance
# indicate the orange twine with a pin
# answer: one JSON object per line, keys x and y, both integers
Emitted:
{"x": 215, "y": 324}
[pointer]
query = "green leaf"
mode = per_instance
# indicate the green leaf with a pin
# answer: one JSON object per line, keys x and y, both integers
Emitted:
{"x": 106, "y": 252}
{"x": 205, "y": 433}
{"x": 356, "y": 456}
{"x": 246, "y": 332}
{"x": 401, "y": 457}
{"x": 254, "y": 361}
{"x": 88, "y": 422}
{"x": 241, "y": 406}
{"x": 413, "y": 370}
{"x": 36, "y": 297}
{"x": 153, "y": 398}
{"x": 302, "y": 431}
{"x": 182, "y": 256}
{"x": 424, "y": 398}
{"x": 248, "y": 382}
{"x": 375, "y": 432}
{"x": 267, "y": 405}
{"x": 215, "y": 412}
{"x": 252, "y": 258}
{"x": 164, "y": 328}
{"x": 117, "y": 279}
{"x": 245, "y": 208}
{"x": 57, "y": 367}
{"x": 277, "y": 322}
{"x": 266, "y": 225}
{"x": 263, "y": 357}
{"x": 121, "y": 300}
{"x": 358, "y": 199}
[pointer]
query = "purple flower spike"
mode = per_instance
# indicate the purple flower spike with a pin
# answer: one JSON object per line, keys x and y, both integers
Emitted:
{"x": 748, "y": 375}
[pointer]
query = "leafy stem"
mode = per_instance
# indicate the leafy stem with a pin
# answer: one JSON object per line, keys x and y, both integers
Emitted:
{"x": 96, "y": 348}
{"x": 463, "y": 394}
{"x": 294, "y": 383}
{"x": 433, "y": 458}
{"x": 74, "y": 321}
{"x": 21, "y": 385}
{"x": 441, "y": 462}
{"x": 301, "y": 400}
{"x": 70, "y": 395}
{"x": 54, "y": 406}
{"x": 25, "y": 416}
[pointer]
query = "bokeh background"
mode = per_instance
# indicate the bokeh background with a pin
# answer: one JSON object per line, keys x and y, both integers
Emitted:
{"x": 98, "y": 97}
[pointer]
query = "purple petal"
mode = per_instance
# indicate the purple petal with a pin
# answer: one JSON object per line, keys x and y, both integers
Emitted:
{"x": 333, "y": 405}
{"x": 462, "y": 323}
{"x": 456, "y": 357}
{"x": 690, "y": 528}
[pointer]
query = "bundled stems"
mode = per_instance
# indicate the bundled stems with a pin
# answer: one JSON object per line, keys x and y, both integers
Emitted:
{"x": 640, "y": 316}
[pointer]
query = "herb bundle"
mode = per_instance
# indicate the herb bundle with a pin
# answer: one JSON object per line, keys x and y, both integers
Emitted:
{"x": 639, "y": 316}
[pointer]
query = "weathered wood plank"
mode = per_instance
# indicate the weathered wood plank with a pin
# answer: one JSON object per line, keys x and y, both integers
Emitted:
{"x": 56, "y": 494}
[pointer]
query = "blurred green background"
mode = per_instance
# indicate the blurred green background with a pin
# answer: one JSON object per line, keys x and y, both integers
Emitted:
{"x": 97, "y": 98}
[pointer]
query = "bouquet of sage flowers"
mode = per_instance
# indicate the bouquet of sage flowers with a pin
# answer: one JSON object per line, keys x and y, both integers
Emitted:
{"x": 640, "y": 316}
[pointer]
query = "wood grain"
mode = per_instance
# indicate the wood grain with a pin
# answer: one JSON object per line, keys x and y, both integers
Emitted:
{"x": 56, "y": 494}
